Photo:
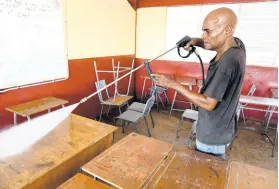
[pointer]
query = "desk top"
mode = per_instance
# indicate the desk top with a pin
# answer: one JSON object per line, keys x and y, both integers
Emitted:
{"x": 274, "y": 92}
{"x": 36, "y": 106}
{"x": 80, "y": 181}
{"x": 259, "y": 100}
{"x": 129, "y": 162}
{"x": 69, "y": 138}
{"x": 251, "y": 177}
{"x": 186, "y": 80}
{"x": 185, "y": 168}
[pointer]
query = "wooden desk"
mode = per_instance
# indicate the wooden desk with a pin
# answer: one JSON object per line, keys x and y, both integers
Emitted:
{"x": 57, "y": 156}
{"x": 128, "y": 163}
{"x": 80, "y": 181}
{"x": 271, "y": 102}
{"x": 251, "y": 177}
{"x": 185, "y": 168}
{"x": 30, "y": 108}
{"x": 258, "y": 100}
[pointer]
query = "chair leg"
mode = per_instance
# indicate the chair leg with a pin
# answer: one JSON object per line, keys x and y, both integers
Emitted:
{"x": 275, "y": 141}
{"x": 179, "y": 126}
{"x": 243, "y": 117}
{"x": 166, "y": 96}
{"x": 108, "y": 110}
{"x": 122, "y": 124}
{"x": 119, "y": 110}
{"x": 147, "y": 128}
{"x": 175, "y": 93}
{"x": 156, "y": 98}
{"x": 136, "y": 126}
{"x": 101, "y": 113}
{"x": 152, "y": 119}
{"x": 161, "y": 101}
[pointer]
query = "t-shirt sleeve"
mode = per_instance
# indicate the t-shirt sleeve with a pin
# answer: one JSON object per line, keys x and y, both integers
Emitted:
{"x": 221, "y": 79}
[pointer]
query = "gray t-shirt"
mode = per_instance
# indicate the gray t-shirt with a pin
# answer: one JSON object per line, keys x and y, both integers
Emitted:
{"x": 223, "y": 83}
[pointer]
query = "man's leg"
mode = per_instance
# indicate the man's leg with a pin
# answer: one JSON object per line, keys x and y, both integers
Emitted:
{"x": 211, "y": 149}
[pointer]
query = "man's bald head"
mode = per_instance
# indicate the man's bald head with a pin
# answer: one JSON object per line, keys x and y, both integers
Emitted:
{"x": 222, "y": 17}
{"x": 218, "y": 28}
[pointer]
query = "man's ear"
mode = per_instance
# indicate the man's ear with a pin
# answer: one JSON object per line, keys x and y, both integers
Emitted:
{"x": 228, "y": 31}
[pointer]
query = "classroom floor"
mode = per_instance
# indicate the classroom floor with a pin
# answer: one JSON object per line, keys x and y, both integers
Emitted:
{"x": 249, "y": 146}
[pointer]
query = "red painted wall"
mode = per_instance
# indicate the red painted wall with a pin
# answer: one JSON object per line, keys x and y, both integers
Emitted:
{"x": 81, "y": 83}
{"x": 264, "y": 77}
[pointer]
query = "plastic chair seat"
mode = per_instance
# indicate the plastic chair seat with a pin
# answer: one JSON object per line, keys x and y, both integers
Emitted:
{"x": 190, "y": 114}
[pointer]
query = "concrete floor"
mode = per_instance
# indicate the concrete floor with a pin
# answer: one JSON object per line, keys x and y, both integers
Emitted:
{"x": 249, "y": 146}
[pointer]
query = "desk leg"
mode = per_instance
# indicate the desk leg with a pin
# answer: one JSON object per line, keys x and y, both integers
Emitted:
{"x": 275, "y": 141}
{"x": 15, "y": 122}
{"x": 175, "y": 93}
{"x": 269, "y": 118}
{"x": 28, "y": 117}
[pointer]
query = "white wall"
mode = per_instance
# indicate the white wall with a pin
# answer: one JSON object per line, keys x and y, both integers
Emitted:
{"x": 151, "y": 32}
{"x": 257, "y": 27}
{"x": 97, "y": 28}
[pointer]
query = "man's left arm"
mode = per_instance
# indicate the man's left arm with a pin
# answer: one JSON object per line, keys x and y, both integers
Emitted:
{"x": 199, "y": 100}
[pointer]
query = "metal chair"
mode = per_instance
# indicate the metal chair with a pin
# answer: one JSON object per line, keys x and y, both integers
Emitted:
{"x": 187, "y": 114}
{"x": 135, "y": 116}
{"x": 139, "y": 107}
{"x": 158, "y": 92}
{"x": 185, "y": 81}
{"x": 115, "y": 101}
{"x": 242, "y": 105}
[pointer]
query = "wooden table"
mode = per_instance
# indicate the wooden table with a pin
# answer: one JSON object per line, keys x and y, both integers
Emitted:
{"x": 128, "y": 163}
{"x": 32, "y": 107}
{"x": 271, "y": 102}
{"x": 81, "y": 181}
{"x": 258, "y": 100}
{"x": 251, "y": 177}
{"x": 185, "y": 168}
{"x": 57, "y": 156}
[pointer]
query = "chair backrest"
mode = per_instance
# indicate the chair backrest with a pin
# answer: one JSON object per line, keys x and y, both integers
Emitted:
{"x": 238, "y": 109}
{"x": 149, "y": 103}
{"x": 252, "y": 90}
{"x": 250, "y": 93}
{"x": 99, "y": 85}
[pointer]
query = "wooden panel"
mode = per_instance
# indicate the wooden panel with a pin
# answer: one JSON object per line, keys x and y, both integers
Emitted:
{"x": 119, "y": 100}
{"x": 80, "y": 181}
{"x": 36, "y": 106}
{"x": 128, "y": 163}
{"x": 58, "y": 155}
{"x": 185, "y": 168}
{"x": 250, "y": 177}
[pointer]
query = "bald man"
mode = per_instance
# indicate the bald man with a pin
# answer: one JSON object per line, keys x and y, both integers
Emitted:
{"x": 219, "y": 96}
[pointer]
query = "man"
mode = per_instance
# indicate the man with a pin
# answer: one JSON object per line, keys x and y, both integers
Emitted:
{"x": 219, "y": 97}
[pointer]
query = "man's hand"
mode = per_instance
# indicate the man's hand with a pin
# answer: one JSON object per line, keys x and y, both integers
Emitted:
{"x": 195, "y": 42}
{"x": 165, "y": 81}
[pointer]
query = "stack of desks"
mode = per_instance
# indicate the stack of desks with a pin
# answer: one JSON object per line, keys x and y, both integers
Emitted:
{"x": 141, "y": 162}
{"x": 57, "y": 156}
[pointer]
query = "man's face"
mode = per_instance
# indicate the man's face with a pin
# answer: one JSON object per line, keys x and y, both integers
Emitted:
{"x": 213, "y": 34}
